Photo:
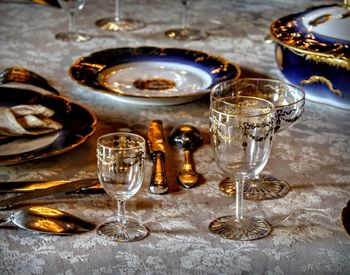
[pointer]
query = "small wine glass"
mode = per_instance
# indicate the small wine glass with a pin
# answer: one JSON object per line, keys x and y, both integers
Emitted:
{"x": 185, "y": 32}
{"x": 241, "y": 131}
{"x": 72, "y": 6}
{"x": 120, "y": 168}
{"x": 117, "y": 23}
{"x": 289, "y": 101}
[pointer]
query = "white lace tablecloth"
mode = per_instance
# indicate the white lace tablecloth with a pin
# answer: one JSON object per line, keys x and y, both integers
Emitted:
{"x": 313, "y": 156}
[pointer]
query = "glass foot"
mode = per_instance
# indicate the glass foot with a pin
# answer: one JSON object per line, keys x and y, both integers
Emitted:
{"x": 229, "y": 227}
{"x": 72, "y": 37}
{"x": 115, "y": 25}
{"x": 129, "y": 232}
{"x": 186, "y": 34}
{"x": 262, "y": 188}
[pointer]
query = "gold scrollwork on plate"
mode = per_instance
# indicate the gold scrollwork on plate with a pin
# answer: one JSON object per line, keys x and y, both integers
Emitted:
{"x": 315, "y": 79}
{"x": 286, "y": 32}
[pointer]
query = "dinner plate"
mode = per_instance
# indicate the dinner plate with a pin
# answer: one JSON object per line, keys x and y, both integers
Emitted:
{"x": 152, "y": 76}
{"x": 78, "y": 124}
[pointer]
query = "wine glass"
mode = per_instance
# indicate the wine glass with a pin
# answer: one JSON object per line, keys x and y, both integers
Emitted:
{"x": 185, "y": 32}
{"x": 72, "y": 6}
{"x": 116, "y": 23}
{"x": 241, "y": 131}
{"x": 120, "y": 168}
{"x": 289, "y": 103}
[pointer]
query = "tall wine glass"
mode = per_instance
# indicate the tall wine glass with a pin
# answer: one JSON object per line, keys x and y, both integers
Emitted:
{"x": 185, "y": 32}
{"x": 116, "y": 23}
{"x": 72, "y": 7}
{"x": 289, "y": 103}
{"x": 241, "y": 130}
{"x": 120, "y": 168}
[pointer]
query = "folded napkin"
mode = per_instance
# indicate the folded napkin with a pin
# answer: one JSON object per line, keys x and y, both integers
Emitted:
{"x": 23, "y": 120}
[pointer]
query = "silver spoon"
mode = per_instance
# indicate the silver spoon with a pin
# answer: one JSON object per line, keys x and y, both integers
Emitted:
{"x": 48, "y": 220}
{"x": 189, "y": 138}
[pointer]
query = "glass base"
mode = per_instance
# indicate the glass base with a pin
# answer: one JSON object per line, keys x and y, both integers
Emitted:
{"x": 246, "y": 229}
{"x": 261, "y": 188}
{"x": 72, "y": 37}
{"x": 186, "y": 34}
{"x": 115, "y": 25}
{"x": 129, "y": 232}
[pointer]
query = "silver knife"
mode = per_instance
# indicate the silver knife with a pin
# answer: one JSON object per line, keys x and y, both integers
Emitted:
{"x": 29, "y": 186}
{"x": 55, "y": 190}
{"x": 158, "y": 184}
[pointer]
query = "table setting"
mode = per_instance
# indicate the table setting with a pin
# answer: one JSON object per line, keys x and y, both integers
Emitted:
{"x": 174, "y": 137}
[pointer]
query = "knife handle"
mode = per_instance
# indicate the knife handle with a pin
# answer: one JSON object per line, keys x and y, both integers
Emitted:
{"x": 158, "y": 184}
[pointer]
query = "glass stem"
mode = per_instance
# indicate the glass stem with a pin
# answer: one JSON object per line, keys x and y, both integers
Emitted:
{"x": 239, "y": 198}
{"x": 71, "y": 24}
{"x": 117, "y": 10}
{"x": 184, "y": 17}
{"x": 121, "y": 212}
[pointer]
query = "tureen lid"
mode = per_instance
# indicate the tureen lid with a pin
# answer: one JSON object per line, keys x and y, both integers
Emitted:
{"x": 321, "y": 33}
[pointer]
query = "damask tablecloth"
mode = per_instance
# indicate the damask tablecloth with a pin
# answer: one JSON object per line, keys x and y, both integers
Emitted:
{"x": 313, "y": 156}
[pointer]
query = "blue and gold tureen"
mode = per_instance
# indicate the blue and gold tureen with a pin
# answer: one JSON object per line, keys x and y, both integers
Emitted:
{"x": 313, "y": 51}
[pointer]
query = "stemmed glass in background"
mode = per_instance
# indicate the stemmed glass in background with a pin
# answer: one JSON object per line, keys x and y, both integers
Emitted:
{"x": 72, "y": 6}
{"x": 241, "y": 130}
{"x": 120, "y": 168}
{"x": 289, "y": 103}
{"x": 186, "y": 33}
{"x": 117, "y": 23}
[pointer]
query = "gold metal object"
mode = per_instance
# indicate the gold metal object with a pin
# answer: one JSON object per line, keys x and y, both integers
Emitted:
{"x": 28, "y": 186}
{"x": 189, "y": 138}
{"x": 158, "y": 184}
{"x": 315, "y": 78}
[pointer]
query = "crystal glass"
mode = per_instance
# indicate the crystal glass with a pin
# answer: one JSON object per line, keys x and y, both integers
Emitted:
{"x": 116, "y": 23}
{"x": 185, "y": 32}
{"x": 72, "y": 7}
{"x": 241, "y": 131}
{"x": 120, "y": 168}
{"x": 289, "y": 103}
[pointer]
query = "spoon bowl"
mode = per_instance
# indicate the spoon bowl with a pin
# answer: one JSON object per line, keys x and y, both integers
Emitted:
{"x": 48, "y": 220}
{"x": 188, "y": 138}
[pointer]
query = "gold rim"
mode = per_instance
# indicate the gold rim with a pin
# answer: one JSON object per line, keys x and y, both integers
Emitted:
{"x": 269, "y": 80}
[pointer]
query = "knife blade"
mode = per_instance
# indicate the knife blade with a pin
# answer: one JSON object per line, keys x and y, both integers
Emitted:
{"x": 55, "y": 190}
{"x": 156, "y": 145}
{"x": 29, "y": 186}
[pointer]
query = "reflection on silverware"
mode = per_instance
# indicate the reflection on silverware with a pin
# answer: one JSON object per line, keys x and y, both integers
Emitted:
{"x": 55, "y": 190}
{"x": 28, "y": 186}
{"x": 48, "y": 220}
{"x": 156, "y": 145}
{"x": 189, "y": 138}
{"x": 24, "y": 76}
